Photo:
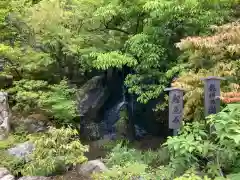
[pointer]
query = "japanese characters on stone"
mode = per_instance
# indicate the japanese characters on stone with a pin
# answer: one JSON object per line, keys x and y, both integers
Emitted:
{"x": 211, "y": 91}
{"x": 175, "y": 108}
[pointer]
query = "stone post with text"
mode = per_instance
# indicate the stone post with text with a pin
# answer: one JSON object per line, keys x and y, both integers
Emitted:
{"x": 211, "y": 92}
{"x": 175, "y": 109}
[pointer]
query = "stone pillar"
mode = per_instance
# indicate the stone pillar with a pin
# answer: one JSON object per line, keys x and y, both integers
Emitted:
{"x": 4, "y": 116}
{"x": 175, "y": 109}
{"x": 211, "y": 91}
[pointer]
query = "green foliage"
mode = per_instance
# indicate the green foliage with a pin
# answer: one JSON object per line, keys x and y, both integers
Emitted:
{"x": 54, "y": 151}
{"x": 191, "y": 176}
{"x": 12, "y": 140}
{"x": 48, "y": 41}
{"x": 126, "y": 163}
{"x": 149, "y": 29}
{"x": 121, "y": 155}
{"x": 55, "y": 100}
{"x": 213, "y": 152}
{"x": 214, "y": 55}
{"x": 196, "y": 153}
{"x": 113, "y": 59}
{"x": 128, "y": 171}
{"x": 13, "y": 164}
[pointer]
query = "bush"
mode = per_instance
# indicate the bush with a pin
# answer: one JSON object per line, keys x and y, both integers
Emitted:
{"x": 13, "y": 164}
{"x": 126, "y": 172}
{"x": 212, "y": 152}
{"x": 127, "y": 163}
{"x": 56, "y": 101}
{"x": 54, "y": 151}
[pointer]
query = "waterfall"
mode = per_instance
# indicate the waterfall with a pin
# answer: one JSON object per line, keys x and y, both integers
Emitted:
{"x": 112, "y": 115}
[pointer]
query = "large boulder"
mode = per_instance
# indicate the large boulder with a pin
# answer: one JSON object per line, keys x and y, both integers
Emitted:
{"x": 22, "y": 150}
{"x": 34, "y": 178}
{"x": 94, "y": 166}
{"x": 4, "y": 116}
{"x": 92, "y": 96}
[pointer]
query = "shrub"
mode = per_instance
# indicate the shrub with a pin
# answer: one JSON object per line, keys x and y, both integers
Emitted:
{"x": 53, "y": 100}
{"x": 128, "y": 171}
{"x": 54, "y": 151}
{"x": 191, "y": 175}
{"x": 212, "y": 152}
{"x": 13, "y": 164}
{"x": 122, "y": 155}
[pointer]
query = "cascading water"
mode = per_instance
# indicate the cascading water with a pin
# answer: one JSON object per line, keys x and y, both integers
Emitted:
{"x": 111, "y": 116}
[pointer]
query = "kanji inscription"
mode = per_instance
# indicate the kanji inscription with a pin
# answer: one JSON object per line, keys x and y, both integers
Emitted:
{"x": 175, "y": 107}
{"x": 211, "y": 91}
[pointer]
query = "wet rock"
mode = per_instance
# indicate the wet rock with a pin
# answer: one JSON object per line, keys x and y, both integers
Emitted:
{"x": 92, "y": 131}
{"x": 94, "y": 166}
{"x": 112, "y": 116}
{"x": 34, "y": 178}
{"x": 140, "y": 133}
{"x": 22, "y": 150}
{"x": 91, "y": 97}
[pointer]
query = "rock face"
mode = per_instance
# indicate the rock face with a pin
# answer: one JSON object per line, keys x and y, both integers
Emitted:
{"x": 90, "y": 167}
{"x": 92, "y": 130}
{"x": 91, "y": 98}
{"x": 5, "y": 174}
{"x": 35, "y": 123}
{"x": 4, "y": 116}
{"x": 22, "y": 150}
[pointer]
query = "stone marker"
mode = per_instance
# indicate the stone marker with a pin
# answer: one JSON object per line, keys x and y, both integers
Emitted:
{"x": 175, "y": 108}
{"x": 211, "y": 91}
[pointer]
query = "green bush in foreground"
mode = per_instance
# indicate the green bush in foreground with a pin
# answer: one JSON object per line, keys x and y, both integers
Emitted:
{"x": 8, "y": 161}
{"x": 55, "y": 151}
{"x": 213, "y": 155}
